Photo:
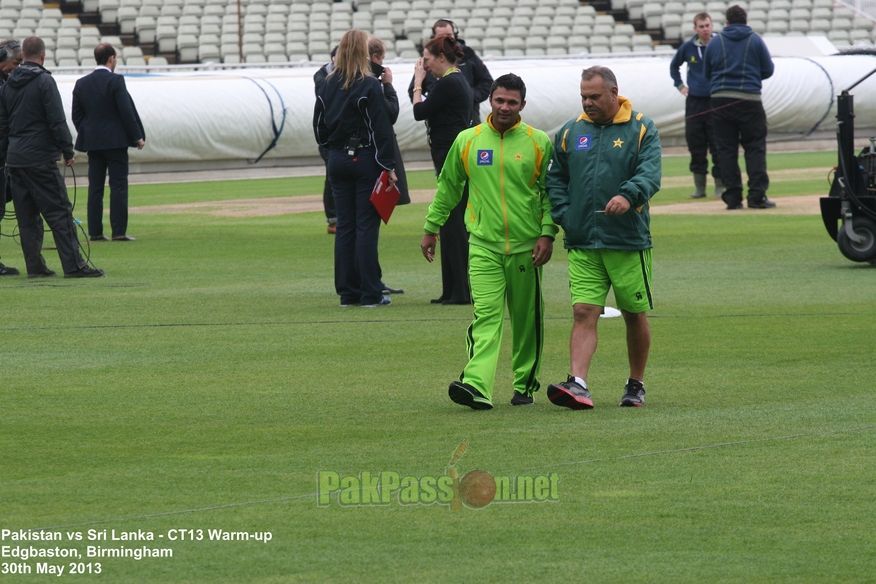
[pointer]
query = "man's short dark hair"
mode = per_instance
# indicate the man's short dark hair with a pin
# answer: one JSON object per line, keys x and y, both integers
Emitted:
{"x": 10, "y": 49}
{"x": 33, "y": 47}
{"x": 103, "y": 52}
{"x": 701, "y": 16}
{"x": 511, "y": 82}
{"x": 597, "y": 71}
{"x": 736, "y": 15}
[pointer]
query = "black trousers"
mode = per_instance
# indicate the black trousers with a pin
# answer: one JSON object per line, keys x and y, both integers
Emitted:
{"x": 328, "y": 199}
{"x": 357, "y": 271}
{"x": 739, "y": 122}
{"x": 41, "y": 191}
{"x": 698, "y": 133}
{"x": 454, "y": 245}
{"x": 116, "y": 162}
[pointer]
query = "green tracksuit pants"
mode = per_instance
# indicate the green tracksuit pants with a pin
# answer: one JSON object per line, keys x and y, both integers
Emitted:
{"x": 495, "y": 279}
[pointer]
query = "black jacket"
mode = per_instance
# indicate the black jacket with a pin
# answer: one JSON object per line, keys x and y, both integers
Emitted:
{"x": 447, "y": 110}
{"x": 104, "y": 114}
{"x": 33, "y": 127}
{"x": 391, "y": 99}
{"x": 473, "y": 70}
{"x": 359, "y": 111}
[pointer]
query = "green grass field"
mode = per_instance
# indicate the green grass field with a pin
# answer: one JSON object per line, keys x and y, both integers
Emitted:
{"x": 208, "y": 379}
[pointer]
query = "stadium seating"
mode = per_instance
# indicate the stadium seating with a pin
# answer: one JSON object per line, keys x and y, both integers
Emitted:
{"x": 276, "y": 31}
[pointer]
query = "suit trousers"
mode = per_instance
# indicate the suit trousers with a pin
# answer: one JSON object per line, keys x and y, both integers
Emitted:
{"x": 454, "y": 245}
{"x": 497, "y": 279}
{"x": 698, "y": 133}
{"x": 41, "y": 191}
{"x": 357, "y": 271}
{"x": 116, "y": 162}
{"x": 739, "y": 122}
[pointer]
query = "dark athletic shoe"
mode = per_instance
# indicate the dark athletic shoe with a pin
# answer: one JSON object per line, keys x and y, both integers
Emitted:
{"x": 521, "y": 399}
{"x": 44, "y": 273}
{"x": 732, "y": 204}
{"x": 762, "y": 204}
{"x": 570, "y": 394}
{"x": 384, "y": 301}
{"x": 466, "y": 395}
{"x": 85, "y": 272}
{"x": 8, "y": 270}
{"x": 634, "y": 394}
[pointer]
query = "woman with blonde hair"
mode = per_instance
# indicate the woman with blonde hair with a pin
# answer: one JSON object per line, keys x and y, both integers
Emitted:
{"x": 351, "y": 121}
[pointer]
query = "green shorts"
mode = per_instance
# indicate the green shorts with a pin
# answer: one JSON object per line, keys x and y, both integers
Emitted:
{"x": 593, "y": 271}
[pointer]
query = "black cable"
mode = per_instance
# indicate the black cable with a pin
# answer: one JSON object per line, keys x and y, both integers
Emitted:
{"x": 86, "y": 249}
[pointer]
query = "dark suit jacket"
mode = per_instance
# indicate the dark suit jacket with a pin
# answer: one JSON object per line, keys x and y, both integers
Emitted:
{"x": 104, "y": 113}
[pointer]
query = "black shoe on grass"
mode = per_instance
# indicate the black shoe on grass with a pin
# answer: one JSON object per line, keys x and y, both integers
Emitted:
{"x": 634, "y": 394}
{"x": 85, "y": 272}
{"x": 570, "y": 394}
{"x": 466, "y": 395}
{"x": 521, "y": 399}
{"x": 8, "y": 270}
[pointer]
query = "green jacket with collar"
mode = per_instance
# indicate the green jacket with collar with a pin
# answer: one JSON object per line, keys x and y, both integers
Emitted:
{"x": 508, "y": 208}
{"x": 592, "y": 163}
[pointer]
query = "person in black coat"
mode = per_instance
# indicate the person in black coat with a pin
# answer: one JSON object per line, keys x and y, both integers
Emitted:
{"x": 33, "y": 136}
{"x": 470, "y": 65}
{"x": 107, "y": 123}
{"x": 10, "y": 58}
{"x": 377, "y": 52}
{"x": 351, "y": 121}
{"x": 328, "y": 201}
{"x": 447, "y": 112}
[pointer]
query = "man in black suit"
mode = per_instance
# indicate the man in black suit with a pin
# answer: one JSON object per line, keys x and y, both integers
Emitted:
{"x": 107, "y": 123}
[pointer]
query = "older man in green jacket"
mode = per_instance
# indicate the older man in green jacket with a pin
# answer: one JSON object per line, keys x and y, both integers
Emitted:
{"x": 606, "y": 167}
{"x": 510, "y": 237}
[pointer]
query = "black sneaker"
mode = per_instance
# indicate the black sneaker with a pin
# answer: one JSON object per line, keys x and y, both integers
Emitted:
{"x": 634, "y": 394}
{"x": 521, "y": 399}
{"x": 44, "y": 273}
{"x": 466, "y": 395}
{"x": 384, "y": 301}
{"x": 86, "y": 272}
{"x": 732, "y": 204}
{"x": 8, "y": 271}
{"x": 762, "y": 204}
{"x": 570, "y": 394}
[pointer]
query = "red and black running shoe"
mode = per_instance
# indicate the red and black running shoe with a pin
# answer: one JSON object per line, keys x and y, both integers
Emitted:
{"x": 570, "y": 394}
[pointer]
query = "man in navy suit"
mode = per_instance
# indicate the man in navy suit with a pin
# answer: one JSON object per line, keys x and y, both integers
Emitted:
{"x": 107, "y": 124}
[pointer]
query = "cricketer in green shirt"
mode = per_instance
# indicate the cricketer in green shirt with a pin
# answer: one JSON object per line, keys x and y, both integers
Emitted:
{"x": 511, "y": 234}
{"x": 606, "y": 168}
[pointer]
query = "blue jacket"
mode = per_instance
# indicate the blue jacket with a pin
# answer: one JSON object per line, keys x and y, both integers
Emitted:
{"x": 737, "y": 60}
{"x": 690, "y": 52}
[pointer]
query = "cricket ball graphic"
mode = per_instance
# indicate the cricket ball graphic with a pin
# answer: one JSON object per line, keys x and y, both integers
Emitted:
{"x": 477, "y": 489}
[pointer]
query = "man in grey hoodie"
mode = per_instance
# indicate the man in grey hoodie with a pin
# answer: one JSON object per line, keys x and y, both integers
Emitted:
{"x": 736, "y": 62}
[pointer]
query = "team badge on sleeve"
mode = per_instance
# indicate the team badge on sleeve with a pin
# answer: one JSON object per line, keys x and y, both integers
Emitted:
{"x": 485, "y": 158}
{"x": 583, "y": 142}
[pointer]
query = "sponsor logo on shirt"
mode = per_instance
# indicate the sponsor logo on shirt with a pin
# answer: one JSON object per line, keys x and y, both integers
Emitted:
{"x": 583, "y": 142}
{"x": 485, "y": 158}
